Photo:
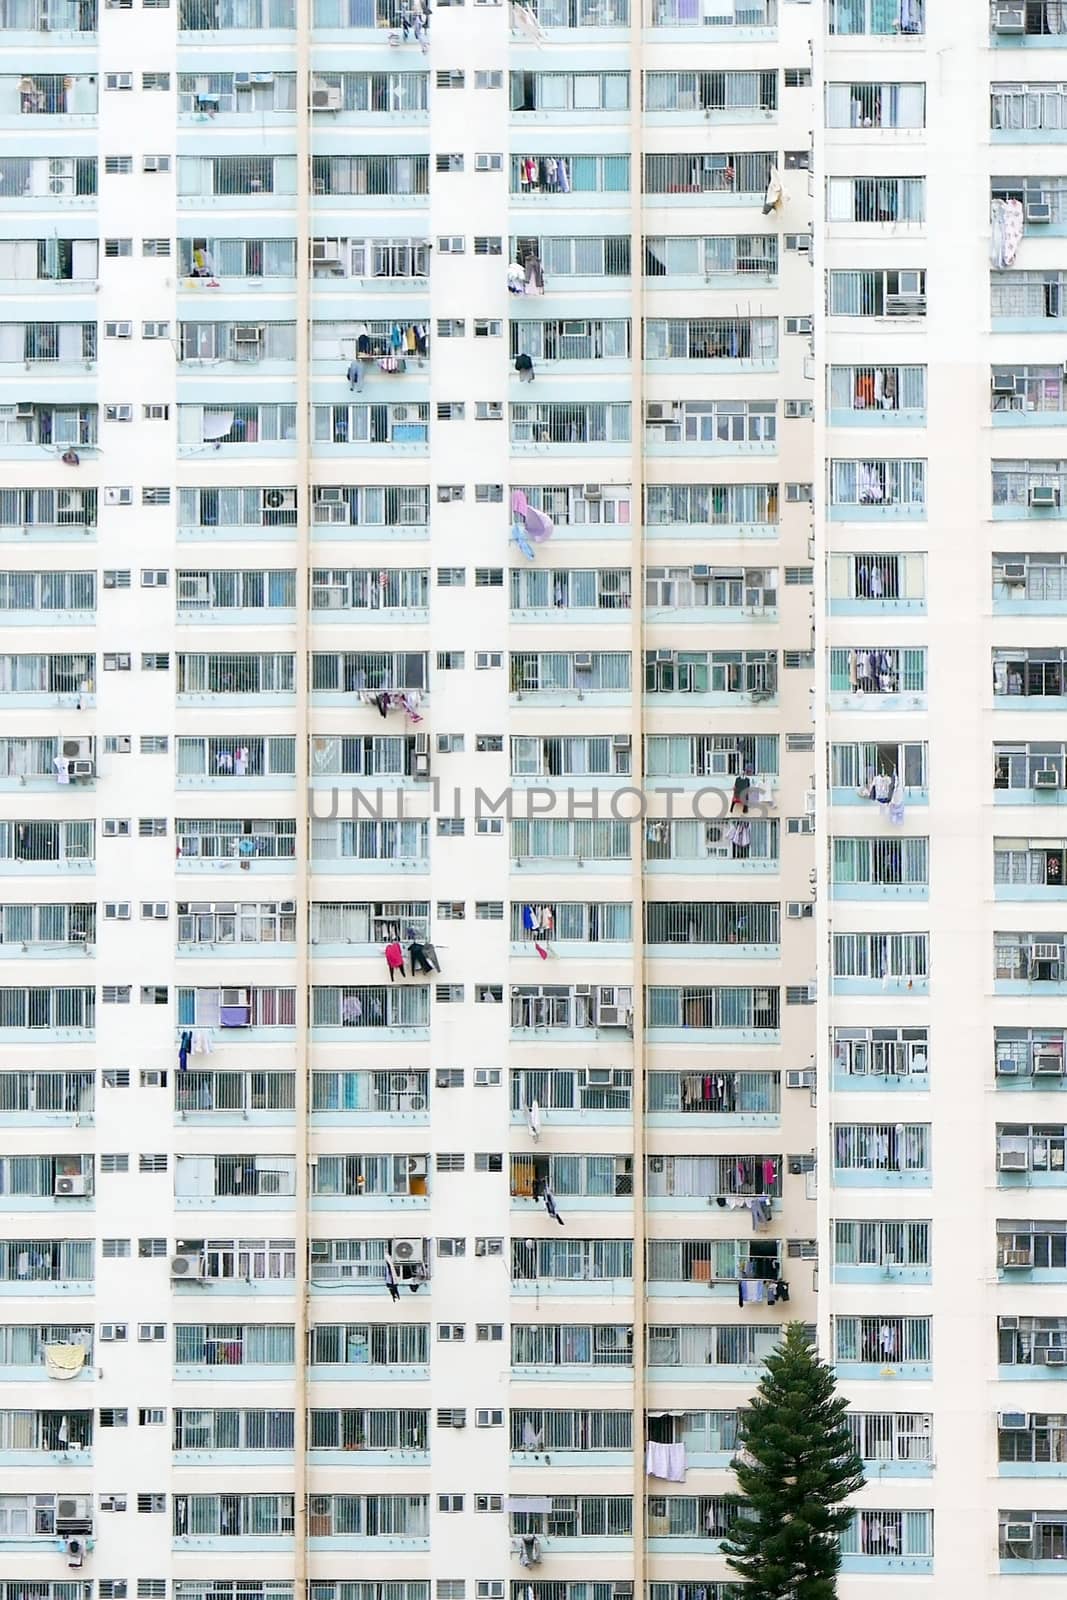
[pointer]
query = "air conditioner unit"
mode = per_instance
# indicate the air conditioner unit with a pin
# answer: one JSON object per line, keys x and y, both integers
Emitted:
{"x": 613, "y": 1007}
{"x": 1056, "y": 1355}
{"x": 416, "y": 1166}
{"x": 1038, "y": 211}
{"x": 1045, "y": 951}
{"x": 1007, "y": 1067}
{"x": 800, "y": 1078}
{"x": 1019, "y": 1533}
{"x": 592, "y": 491}
{"x": 620, "y": 741}
{"x": 1013, "y": 1421}
{"x": 809, "y": 802}
{"x": 1047, "y": 778}
{"x": 1009, "y": 19}
{"x": 905, "y": 305}
{"x": 186, "y": 1267}
{"x": 1048, "y": 1064}
{"x": 331, "y": 512}
{"x": 799, "y": 909}
{"x": 329, "y": 597}
{"x": 405, "y": 1252}
{"x": 71, "y": 1186}
{"x": 1014, "y": 572}
{"x": 420, "y": 764}
{"x": 1003, "y": 383}
{"x": 279, "y": 499}
{"x": 1016, "y": 1258}
{"x": 75, "y": 749}
{"x": 598, "y": 1077}
{"x": 74, "y": 1513}
{"x": 1008, "y": 1324}
{"x": 324, "y": 252}
{"x": 261, "y": 77}
{"x": 1043, "y": 496}
{"x": 24, "y": 410}
{"x": 325, "y": 99}
{"x": 247, "y": 333}
{"x": 662, "y": 656}
{"x": 583, "y": 660}
{"x": 234, "y": 997}
{"x": 701, "y": 571}
{"x": 83, "y": 769}
{"x": 241, "y": 79}
{"x": 660, "y": 411}
{"x": 1012, "y": 1161}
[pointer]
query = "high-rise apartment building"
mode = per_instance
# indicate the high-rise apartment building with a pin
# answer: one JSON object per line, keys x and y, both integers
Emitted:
{"x": 475, "y": 495}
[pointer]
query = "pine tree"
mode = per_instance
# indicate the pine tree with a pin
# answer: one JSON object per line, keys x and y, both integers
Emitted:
{"x": 795, "y": 1470}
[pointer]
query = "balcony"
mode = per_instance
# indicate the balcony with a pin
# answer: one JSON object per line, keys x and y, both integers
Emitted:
{"x": 722, "y": 679}
{"x": 565, "y": 678}
{"x": 881, "y": 1252}
{"x": 882, "y": 1155}
{"x": 705, "y": 511}
{"x": 1027, "y": 113}
{"x": 1032, "y": 1543}
{"x": 1030, "y": 1059}
{"x": 236, "y": 430}
{"x": 895, "y": 20}
{"x": 877, "y": 585}
{"x": 1030, "y": 490}
{"x": 876, "y": 678}
{"x": 47, "y": 1099}
{"x": 702, "y": 1101}
{"x": 228, "y": 1098}
{"x": 706, "y": 1015}
{"x": 249, "y": 19}
{"x": 883, "y": 396}
{"x": 70, "y": 22}
{"x": 712, "y": 21}
{"x": 888, "y": 1542}
{"x": 875, "y": 1348}
{"x": 572, "y": 1097}
{"x": 683, "y": 428}
{"x": 47, "y": 1015}
{"x": 877, "y": 490}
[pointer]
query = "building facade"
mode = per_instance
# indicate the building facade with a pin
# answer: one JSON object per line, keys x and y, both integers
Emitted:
{"x": 475, "y": 755}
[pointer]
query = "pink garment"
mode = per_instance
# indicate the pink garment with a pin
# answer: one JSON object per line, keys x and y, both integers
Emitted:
{"x": 538, "y": 526}
{"x": 519, "y": 504}
{"x": 394, "y": 956}
{"x": 770, "y": 1173}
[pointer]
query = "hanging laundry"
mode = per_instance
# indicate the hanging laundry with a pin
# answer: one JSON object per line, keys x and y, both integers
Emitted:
{"x": 394, "y": 960}
{"x": 185, "y": 1045}
{"x": 665, "y": 1461}
{"x": 550, "y": 1205}
{"x": 518, "y": 534}
{"x": 61, "y": 764}
{"x": 896, "y": 804}
{"x": 391, "y": 1279}
{"x": 533, "y": 1121}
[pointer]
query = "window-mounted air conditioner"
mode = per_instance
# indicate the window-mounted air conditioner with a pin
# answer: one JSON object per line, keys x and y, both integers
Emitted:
{"x": 1048, "y": 1064}
{"x": 1047, "y": 778}
{"x": 1012, "y": 1161}
{"x": 1014, "y": 572}
{"x": 1019, "y": 1533}
{"x": 1016, "y": 1258}
{"x": 1003, "y": 383}
{"x": 1009, "y": 19}
{"x": 1013, "y": 1421}
{"x": 326, "y": 99}
{"x": 1038, "y": 211}
{"x": 1043, "y": 496}
{"x": 1054, "y": 1356}
{"x": 800, "y": 1078}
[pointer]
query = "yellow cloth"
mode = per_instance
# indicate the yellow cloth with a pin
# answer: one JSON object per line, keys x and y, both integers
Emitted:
{"x": 63, "y": 1360}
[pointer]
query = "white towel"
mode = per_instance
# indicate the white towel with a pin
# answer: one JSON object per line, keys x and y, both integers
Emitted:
{"x": 665, "y": 1461}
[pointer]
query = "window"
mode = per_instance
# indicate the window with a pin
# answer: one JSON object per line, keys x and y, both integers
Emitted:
{"x": 447, "y": 492}
{"x": 152, "y": 1163}
{"x": 450, "y": 744}
{"x": 155, "y": 744}
{"x": 486, "y": 659}
{"x": 449, "y": 163}
{"x": 155, "y": 496}
{"x": 488, "y": 161}
{"x": 452, "y": 910}
{"x": 489, "y": 743}
{"x": 799, "y": 493}
{"x": 157, "y": 163}
{"x": 450, "y": 411}
{"x": 156, "y": 248}
{"x": 118, "y": 330}
{"x": 451, "y": 244}
{"x": 450, "y": 1161}
{"x": 154, "y": 994}
{"x": 488, "y": 493}
{"x": 450, "y": 78}
{"x": 158, "y": 81}
{"x": 798, "y": 77}
{"x": 151, "y": 1249}
{"x": 489, "y": 910}
{"x": 151, "y": 1503}
{"x": 155, "y": 330}
{"x": 488, "y": 1502}
{"x": 488, "y": 577}
{"x": 492, "y": 1332}
{"x": 488, "y": 1161}
{"x": 152, "y": 1078}
{"x": 487, "y": 1077}
{"x": 449, "y": 1502}
{"x": 450, "y": 660}
{"x": 452, "y": 1417}
{"x": 118, "y": 166}
{"x": 115, "y": 1249}
{"x": 114, "y": 1163}
{"x": 114, "y": 248}
{"x": 488, "y": 1417}
{"x": 118, "y": 80}
{"x": 448, "y": 994}
{"x": 451, "y": 1333}
{"x": 151, "y": 1416}
{"x": 115, "y": 994}
{"x": 451, "y": 327}
{"x": 451, "y": 1247}
{"x": 489, "y": 825}
{"x": 449, "y": 1077}
{"x": 450, "y": 578}
{"x": 114, "y": 1417}
{"x": 450, "y": 827}
{"x": 489, "y": 80}
{"x": 151, "y": 1332}
{"x": 155, "y": 412}
{"x": 488, "y": 994}
{"x": 151, "y": 827}
{"x": 451, "y": 1589}
{"x": 488, "y": 410}
{"x": 155, "y": 661}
